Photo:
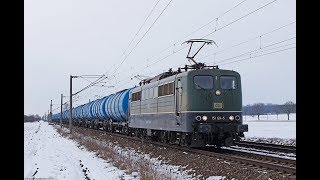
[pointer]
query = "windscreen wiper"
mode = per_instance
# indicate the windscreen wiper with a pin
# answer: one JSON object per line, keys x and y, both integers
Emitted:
{"x": 199, "y": 86}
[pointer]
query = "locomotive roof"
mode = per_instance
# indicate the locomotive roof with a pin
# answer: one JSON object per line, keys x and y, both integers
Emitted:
{"x": 171, "y": 73}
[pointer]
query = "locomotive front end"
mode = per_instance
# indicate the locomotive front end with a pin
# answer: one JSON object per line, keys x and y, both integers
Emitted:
{"x": 214, "y": 107}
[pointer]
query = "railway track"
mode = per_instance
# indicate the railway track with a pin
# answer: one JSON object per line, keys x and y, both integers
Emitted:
{"x": 286, "y": 166}
{"x": 264, "y": 162}
{"x": 267, "y": 146}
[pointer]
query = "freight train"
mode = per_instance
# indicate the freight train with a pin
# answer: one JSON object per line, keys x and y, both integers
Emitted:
{"x": 196, "y": 107}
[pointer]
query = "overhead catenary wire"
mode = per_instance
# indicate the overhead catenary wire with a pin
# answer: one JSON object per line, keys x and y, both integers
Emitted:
{"x": 255, "y": 52}
{"x": 136, "y": 33}
{"x": 126, "y": 56}
{"x": 251, "y": 57}
{"x": 55, "y": 109}
{"x": 143, "y": 68}
{"x": 150, "y": 74}
{"x": 182, "y": 48}
{"x": 215, "y": 31}
{"x": 93, "y": 83}
{"x": 231, "y": 8}
{"x": 215, "y": 19}
{"x": 91, "y": 94}
{"x": 75, "y": 98}
{"x": 257, "y": 56}
{"x": 261, "y": 7}
{"x": 246, "y": 41}
{"x": 252, "y": 51}
{"x": 60, "y": 107}
{"x": 100, "y": 79}
{"x": 232, "y": 22}
{"x": 183, "y": 39}
{"x": 141, "y": 26}
{"x": 260, "y": 50}
{"x": 86, "y": 96}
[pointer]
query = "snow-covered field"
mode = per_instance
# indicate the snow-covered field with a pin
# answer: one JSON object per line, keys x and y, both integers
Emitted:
{"x": 48, "y": 155}
{"x": 271, "y": 127}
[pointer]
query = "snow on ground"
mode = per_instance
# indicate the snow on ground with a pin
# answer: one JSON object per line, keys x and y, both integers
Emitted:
{"x": 270, "y": 129}
{"x": 285, "y": 130}
{"x": 130, "y": 155}
{"x": 216, "y": 178}
{"x": 48, "y": 155}
{"x": 171, "y": 171}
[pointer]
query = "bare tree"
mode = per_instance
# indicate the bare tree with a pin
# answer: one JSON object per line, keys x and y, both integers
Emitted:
{"x": 277, "y": 110}
{"x": 289, "y": 107}
{"x": 37, "y": 116}
{"x": 258, "y": 109}
{"x": 31, "y": 118}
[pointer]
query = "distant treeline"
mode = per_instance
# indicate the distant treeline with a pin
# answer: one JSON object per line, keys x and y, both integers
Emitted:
{"x": 258, "y": 109}
{"x": 31, "y": 118}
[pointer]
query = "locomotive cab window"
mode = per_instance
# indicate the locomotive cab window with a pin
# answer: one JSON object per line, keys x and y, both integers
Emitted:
{"x": 228, "y": 82}
{"x": 203, "y": 82}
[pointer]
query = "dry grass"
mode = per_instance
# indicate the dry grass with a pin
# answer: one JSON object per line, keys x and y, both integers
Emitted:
{"x": 110, "y": 152}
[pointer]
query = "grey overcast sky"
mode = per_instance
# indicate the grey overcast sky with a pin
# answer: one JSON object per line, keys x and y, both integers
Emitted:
{"x": 82, "y": 37}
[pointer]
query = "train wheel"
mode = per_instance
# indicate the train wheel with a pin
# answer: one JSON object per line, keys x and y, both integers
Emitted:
{"x": 163, "y": 137}
{"x": 172, "y": 137}
{"x": 125, "y": 130}
{"x": 104, "y": 126}
{"x": 185, "y": 139}
{"x": 228, "y": 142}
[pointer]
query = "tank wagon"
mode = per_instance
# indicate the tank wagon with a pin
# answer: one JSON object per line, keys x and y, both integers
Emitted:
{"x": 109, "y": 112}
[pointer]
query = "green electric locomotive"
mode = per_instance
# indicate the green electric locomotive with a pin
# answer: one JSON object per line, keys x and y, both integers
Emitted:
{"x": 198, "y": 107}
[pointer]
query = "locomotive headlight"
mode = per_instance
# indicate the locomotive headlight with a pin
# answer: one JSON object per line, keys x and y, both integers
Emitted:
{"x": 218, "y": 92}
{"x": 204, "y": 118}
{"x": 198, "y": 118}
{"x": 231, "y": 118}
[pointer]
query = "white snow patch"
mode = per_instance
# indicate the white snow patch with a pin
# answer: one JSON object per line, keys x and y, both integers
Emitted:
{"x": 48, "y": 155}
{"x": 280, "y": 141}
{"x": 161, "y": 168}
{"x": 271, "y": 129}
{"x": 263, "y": 152}
{"x": 216, "y": 178}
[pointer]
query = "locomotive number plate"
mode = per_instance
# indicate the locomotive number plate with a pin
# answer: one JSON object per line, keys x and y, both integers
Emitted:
{"x": 217, "y": 105}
